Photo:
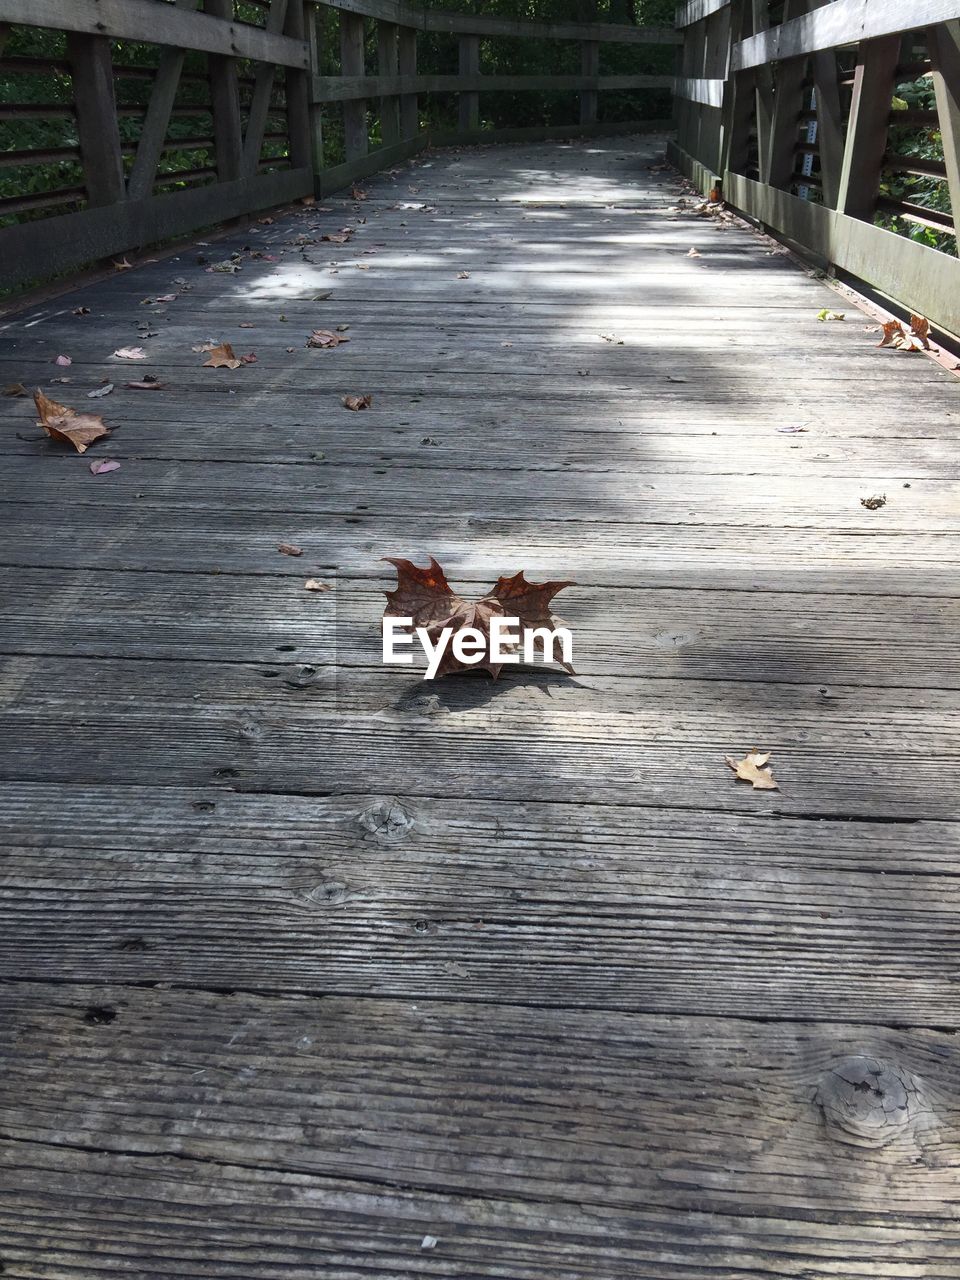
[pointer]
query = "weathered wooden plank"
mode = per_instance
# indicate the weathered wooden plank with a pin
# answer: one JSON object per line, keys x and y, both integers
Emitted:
{"x": 225, "y": 102}
{"x": 338, "y": 1088}
{"x": 944, "y": 49}
{"x": 229, "y": 1218}
{"x": 156, "y": 122}
{"x": 919, "y": 277}
{"x": 866, "y": 135}
{"x": 469, "y": 81}
{"x": 849, "y": 752}
{"x": 654, "y": 555}
{"x": 388, "y": 64}
{"x": 352, "y": 40}
{"x": 669, "y": 633}
{"x": 757, "y": 502}
{"x": 157, "y": 24}
{"x": 30, "y": 251}
{"x": 407, "y": 68}
{"x": 260, "y": 98}
{"x": 841, "y": 22}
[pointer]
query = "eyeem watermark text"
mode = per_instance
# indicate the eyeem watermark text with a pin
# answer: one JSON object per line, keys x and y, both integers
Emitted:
{"x": 501, "y": 643}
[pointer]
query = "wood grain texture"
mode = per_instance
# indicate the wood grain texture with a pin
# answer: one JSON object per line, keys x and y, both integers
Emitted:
{"x": 303, "y": 960}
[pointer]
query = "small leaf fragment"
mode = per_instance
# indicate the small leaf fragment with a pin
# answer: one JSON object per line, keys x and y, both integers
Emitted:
{"x": 288, "y": 549}
{"x": 753, "y": 768}
{"x": 100, "y": 466}
{"x": 98, "y": 392}
{"x": 15, "y": 389}
{"x": 60, "y": 422}
{"x": 357, "y": 402}
{"x": 314, "y": 584}
{"x": 875, "y": 503}
{"x": 463, "y": 275}
{"x": 827, "y": 314}
{"x": 81, "y": 311}
{"x": 123, "y": 265}
{"x": 131, "y": 353}
{"x": 145, "y": 384}
{"x": 63, "y": 361}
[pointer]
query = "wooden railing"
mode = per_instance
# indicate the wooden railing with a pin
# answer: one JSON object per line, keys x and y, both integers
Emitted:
{"x": 800, "y": 125}
{"x": 249, "y": 101}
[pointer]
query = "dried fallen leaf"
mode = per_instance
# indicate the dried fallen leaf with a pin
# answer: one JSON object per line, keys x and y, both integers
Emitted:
{"x": 425, "y": 596}
{"x": 81, "y": 311}
{"x": 228, "y": 266}
{"x": 15, "y": 389}
{"x": 289, "y": 549}
{"x": 100, "y": 391}
{"x": 249, "y": 358}
{"x": 875, "y": 503}
{"x": 892, "y": 333}
{"x": 337, "y": 237}
{"x": 827, "y": 314}
{"x": 60, "y": 422}
{"x": 358, "y": 193}
{"x": 244, "y": 324}
{"x": 123, "y": 265}
{"x": 63, "y": 360}
{"x": 791, "y": 431}
{"x": 357, "y": 402}
{"x": 324, "y": 338}
{"x": 145, "y": 384}
{"x": 752, "y": 768}
{"x": 100, "y": 466}
{"x": 167, "y": 297}
{"x": 693, "y": 253}
{"x": 463, "y": 275}
{"x": 222, "y": 357}
{"x": 920, "y": 330}
{"x": 131, "y": 353}
{"x": 314, "y": 584}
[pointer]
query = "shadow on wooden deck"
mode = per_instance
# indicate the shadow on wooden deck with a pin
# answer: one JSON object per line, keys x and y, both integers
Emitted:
{"x": 309, "y": 963}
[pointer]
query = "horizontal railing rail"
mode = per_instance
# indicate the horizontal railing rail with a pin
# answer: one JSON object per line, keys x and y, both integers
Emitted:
{"x": 801, "y": 125}
{"x": 235, "y": 116}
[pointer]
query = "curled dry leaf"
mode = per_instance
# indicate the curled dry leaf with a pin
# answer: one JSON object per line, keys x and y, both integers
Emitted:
{"x": 100, "y": 466}
{"x": 249, "y": 358}
{"x": 100, "y": 391}
{"x": 314, "y": 584}
{"x": 244, "y": 324}
{"x": 693, "y": 253}
{"x": 60, "y": 422}
{"x": 81, "y": 311}
{"x": 753, "y": 769}
{"x": 288, "y": 549}
{"x": 874, "y": 503}
{"x": 145, "y": 384}
{"x": 123, "y": 265}
{"x": 15, "y": 389}
{"x": 916, "y": 338}
{"x": 222, "y": 357}
{"x": 827, "y": 314}
{"x": 324, "y": 338}
{"x": 337, "y": 237}
{"x": 425, "y": 596}
{"x": 131, "y": 353}
{"x": 920, "y": 329}
{"x": 357, "y": 402}
{"x": 358, "y": 193}
{"x": 167, "y": 297}
{"x": 63, "y": 360}
{"x": 463, "y": 275}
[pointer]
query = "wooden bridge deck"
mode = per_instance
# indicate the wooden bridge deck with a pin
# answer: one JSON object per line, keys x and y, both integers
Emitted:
{"x": 313, "y": 969}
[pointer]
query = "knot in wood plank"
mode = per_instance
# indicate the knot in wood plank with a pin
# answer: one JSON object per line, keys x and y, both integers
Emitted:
{"x": 387, "y": 820}
{"x": 868, "y": 1102}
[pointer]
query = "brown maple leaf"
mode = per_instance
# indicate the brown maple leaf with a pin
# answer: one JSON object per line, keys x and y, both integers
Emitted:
{"x": 425, "y": 596}
{"x": 222, "y": 357}
{"x": 60, "y": 422}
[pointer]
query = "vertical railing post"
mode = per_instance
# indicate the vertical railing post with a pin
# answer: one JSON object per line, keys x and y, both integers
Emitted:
{"x": 388, "y": 64}
{"x": 866, "y": 141}
{"x": 589, "y": 66}
{"x": 352, "y": 37}
{"x": 469, "y": 98}
{"x": 407, "y": 63}
{"x": 225, "y": 102}
{"x": 316, "y": 107}
{"x": 297, "y": 87}
{"x": 943, "y": 43}
{"x": 91, "y": 69}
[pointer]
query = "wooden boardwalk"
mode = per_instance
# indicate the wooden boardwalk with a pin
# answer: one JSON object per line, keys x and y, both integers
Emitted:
{"x": 314, "y": 969}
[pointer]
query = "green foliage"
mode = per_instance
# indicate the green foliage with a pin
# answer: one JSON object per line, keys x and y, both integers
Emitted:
{"x": 925, "y": 143}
